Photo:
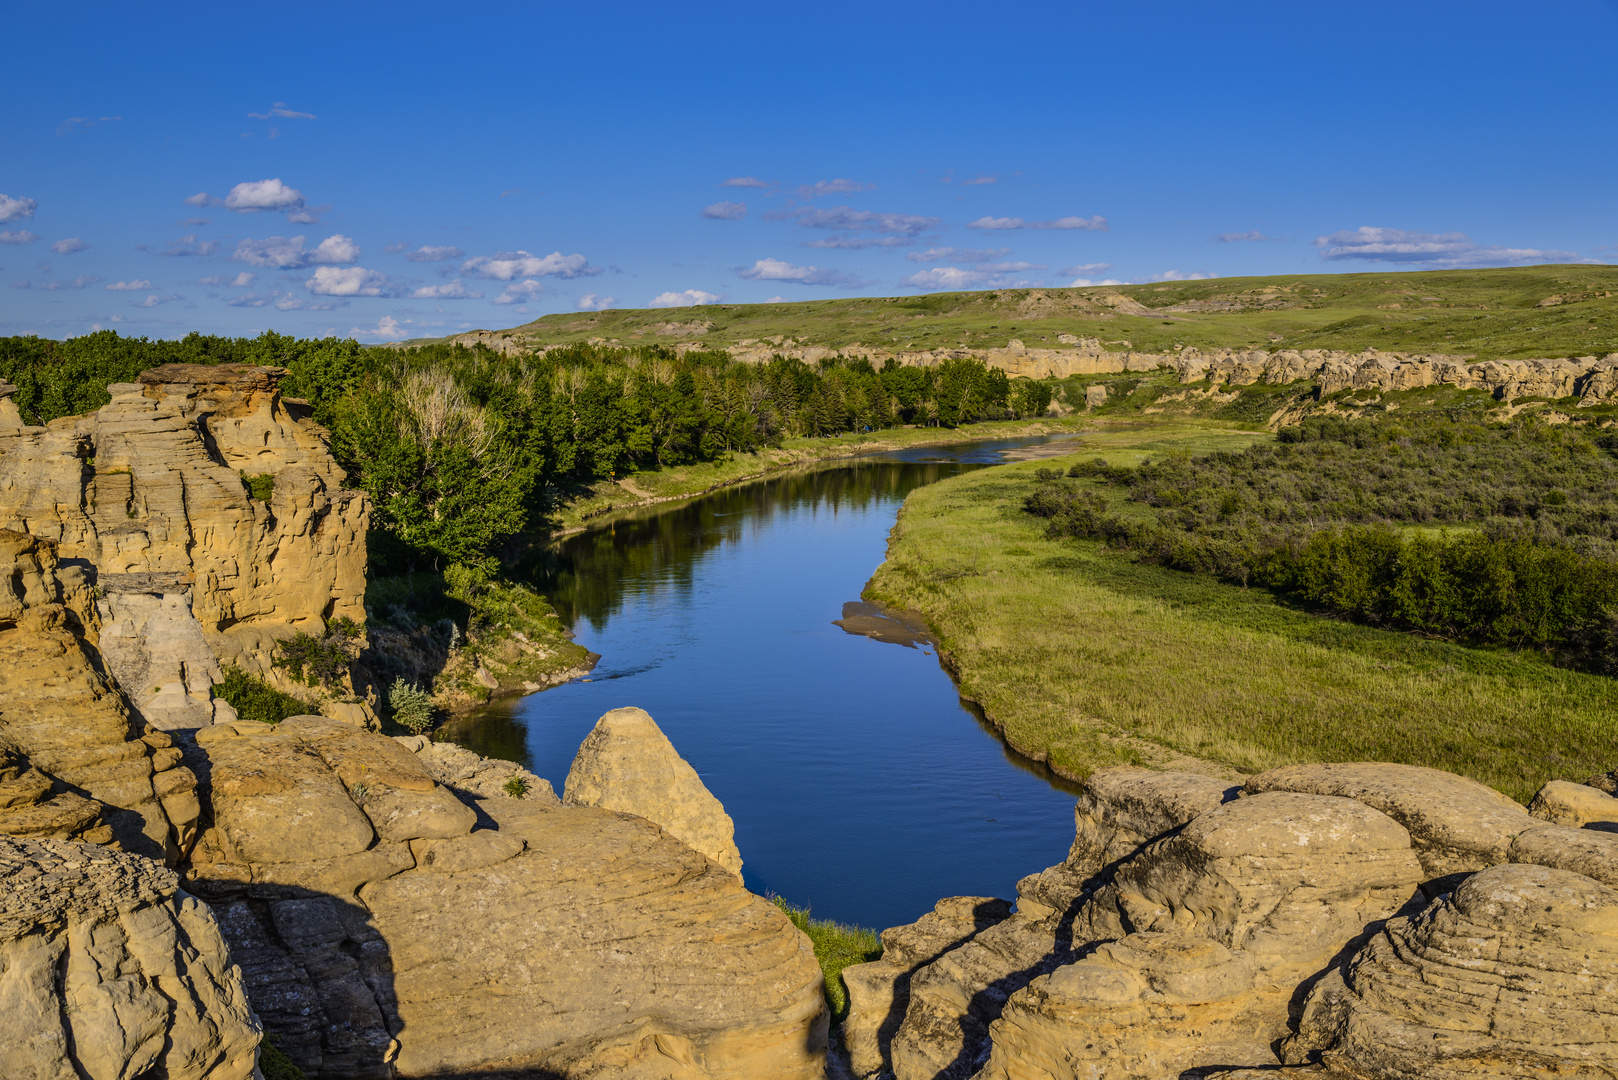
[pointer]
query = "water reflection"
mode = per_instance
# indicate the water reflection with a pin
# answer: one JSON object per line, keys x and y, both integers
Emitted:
{"x": 858, "y": 781}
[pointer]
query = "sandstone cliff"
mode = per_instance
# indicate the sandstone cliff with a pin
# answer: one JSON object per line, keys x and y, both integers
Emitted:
{"x": 1344, "y": 921}
{"x": 150, "y": 494}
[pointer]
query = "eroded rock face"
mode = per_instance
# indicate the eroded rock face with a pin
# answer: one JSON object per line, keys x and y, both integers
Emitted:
{"x": 387, "y": 927}
{"x": 485, "y": 778}
{"x": 150, "y": 491}
{"x": 107, "y": 970}
{"x": 626, "y": 763}
{"x": 1578, "y": 805}
{"x": 1515, "y": 974}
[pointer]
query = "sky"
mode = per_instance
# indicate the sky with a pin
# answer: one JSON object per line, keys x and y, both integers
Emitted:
{"x": 399, "y": 170}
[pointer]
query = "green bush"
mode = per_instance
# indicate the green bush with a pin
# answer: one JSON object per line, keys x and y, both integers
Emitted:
{"x": 322, "y": 660}
{"x": 260, "y": 487}
{"x": 412, "y": 707}
{"x": 255, "y": 699}
{"x": 516, "y": 787}
{"x": 274, "y": 1064}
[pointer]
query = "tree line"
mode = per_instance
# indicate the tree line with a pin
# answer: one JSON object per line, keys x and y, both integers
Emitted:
{"x": 464, "y": 450}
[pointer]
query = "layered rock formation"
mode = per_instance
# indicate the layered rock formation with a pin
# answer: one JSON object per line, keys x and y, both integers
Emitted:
{"x": 150, "y": 492}
{"x": 1351, "y": 921}
{"x": 626, "y": 763}
{"x": 108, "y": 970}
{"x": 387, "y": 927}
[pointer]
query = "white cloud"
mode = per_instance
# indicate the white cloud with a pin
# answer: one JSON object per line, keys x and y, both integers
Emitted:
{"x": 1429, "y": 249}
{"x": 69, "y": 246}
{"x": 21, "y": 236}
{"x": 1175, "y": 275}
{"x": 1086, "y": 269}
{"x": 153, "y": 300}
{"x": 688, "y": 298}
{"x": 519, "y": 291}
{"x": 253, "y": 195}
{"x": 429, "y": 253}
{"x": 394, "y": 249}
{"x": 279, "y": 109}
{"x": 454, "y": 290}
{"x": 76, "y": 283}
{"x": 1240, "y": 237}
{"x": 992, "y": 224}
{"x": 288, "y": 252}
{"x": 346, "y": 281}
{"x": 858, "y": 243}
{"x": 310, "y": 216}
{"x": 725, "y": 211}
{"x": 387, "y": 328}
{"x": 1010, "y": 267}
{"x": 201, "y": 198}
{"x": 509, "y": 265}
{"x": 138, "y": 285}
{"x": 939, "y": 254}
{"x": 777, "y": 270}
{"x": 832, "y": 187}
{"x": 981, "y": 276}
{"x": 591, "y": 302}
{"x": 777, "y": 300}
{"x": 744, "y": 181}
{"x": 1081, "y": 283}
{"x": 188, "y": 245}
{"x": 848, "y": 219}
{"x": 15, "y": 209}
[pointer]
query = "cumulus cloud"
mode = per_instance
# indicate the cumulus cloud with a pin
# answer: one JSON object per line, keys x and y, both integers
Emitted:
{"x": 778, "y": 270}
{"x": 387, "y": 329}
{"x": 153, "y": 300}
{"x": 725, "y": 211}
{"x": 69, "y": 246}
{"x": 240, "y": 281}
{"x": 280, "y": 110}
{"x": 288, "y": 252}
{"x": 346, "y": 281}
{"x": 1175, "y": 275}
{"x": 688, "y": 298}
{"x": 744, "y": 181}
{"x": 429, "y": 253}
{"x": 848, "y": 219}
{"x": 1086, "y": 269}
{"x": 1240, "y": 237}
{"x": 994, "y": 224}
{"x": 857, "y": 243}
{"x": 832, "y": 187}
{"x": 591, "y": 302}
{"x": 15, "y": 209}
{"x": 1428, "y": 249}
{"x": 138, "y": 285}
{"x": 307, "y": 216}
{"x": 939, "y": 254}
{"x": 1082, "y": 283}
{"x": 187, "y": 245}
{"x": 510, "y": 265}
{"x": 20, "y": 236}
{"x": 988, "y": 275}
{"x": 520, "y": 291}
{"x": 254, "y": 195}
{"x": 201, "y": 198}
{"x": 454, "y": 290}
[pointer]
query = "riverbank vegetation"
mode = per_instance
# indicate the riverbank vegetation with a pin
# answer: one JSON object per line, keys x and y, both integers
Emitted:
{"x": 837, "y": 946}
{"x": 1088, "y": 655}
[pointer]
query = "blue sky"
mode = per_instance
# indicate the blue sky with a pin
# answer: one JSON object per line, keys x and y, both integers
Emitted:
{"x": 401, "y": 170}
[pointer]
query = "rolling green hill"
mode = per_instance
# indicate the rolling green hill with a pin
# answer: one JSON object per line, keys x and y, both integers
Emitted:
{"x": 1535, "y": 311}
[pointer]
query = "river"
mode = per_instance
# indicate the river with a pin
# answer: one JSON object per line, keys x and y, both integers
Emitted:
{"x": 860, "y": 784}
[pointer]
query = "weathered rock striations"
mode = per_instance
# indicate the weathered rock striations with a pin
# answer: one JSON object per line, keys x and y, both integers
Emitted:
{"x": 79, "y": 766}
{"x": 484, "y": 778}
{"x": 387, "y": 927}
{"x": 108, "y": 971}
{"x": 150, "y": 492}
{"x": 1349, "y": 921}
{"x": 626, "y": 763}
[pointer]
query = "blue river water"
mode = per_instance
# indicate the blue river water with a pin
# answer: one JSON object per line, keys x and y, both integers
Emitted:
{"x": 860, "y": 784}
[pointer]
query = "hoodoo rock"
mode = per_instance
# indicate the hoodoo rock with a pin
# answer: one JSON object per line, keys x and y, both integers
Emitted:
{"x": 108, "y": 970}
{"x": 1338, "y": 921}
{"x": 626, "y": 763}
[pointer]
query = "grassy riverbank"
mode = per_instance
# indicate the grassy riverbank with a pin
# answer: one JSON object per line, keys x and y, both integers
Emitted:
{"x": 1086, "y": 658}
{"x": 587, "y": 503}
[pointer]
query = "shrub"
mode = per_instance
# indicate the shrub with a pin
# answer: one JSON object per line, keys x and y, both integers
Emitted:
{"x": 255, "y": 699}
{"x": 412, "y": 706}
{"x": 260, "y": 487}
{"x": 322, "y": 660}
{"x": 274, "y": 1064}
{"x": 516, "y": 787}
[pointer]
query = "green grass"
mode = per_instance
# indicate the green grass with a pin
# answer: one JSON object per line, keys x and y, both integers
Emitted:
{"x": 255, "y": 699}
{"x": 276, "y": 1065}
{"x": 1486, "y": 313}
{"x": 1086, "y": 658}
{"x": 836, "y": 947}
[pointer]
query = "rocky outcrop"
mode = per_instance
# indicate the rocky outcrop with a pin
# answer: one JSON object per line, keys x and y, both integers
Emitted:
{"x": 1349, "y": 921}
{"x": 150, "y": 491}
{"x": 108, "y": 970}
{"x": 626, "y": 763}
{"x": 78, "y": 763}
{"x": 485, "y": 778}
{"x": 387, "y": 927}
{"x": 1512, "y": 975}
{"x": 1578, "y": 805}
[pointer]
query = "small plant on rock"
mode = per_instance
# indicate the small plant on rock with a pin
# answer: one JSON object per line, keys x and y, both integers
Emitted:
{"x": 322, "y": 660}
{"x": 412, "y": 706}
{"x": 516, "y": 787}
